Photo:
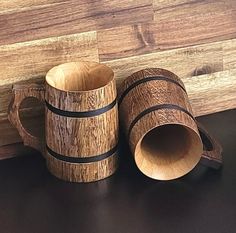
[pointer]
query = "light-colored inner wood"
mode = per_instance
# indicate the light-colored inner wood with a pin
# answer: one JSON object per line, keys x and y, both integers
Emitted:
{"x": 168, "y": 152}
{"x": 79, "y": 76}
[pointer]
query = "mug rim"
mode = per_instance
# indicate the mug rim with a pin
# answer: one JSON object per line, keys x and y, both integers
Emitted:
{"x": 174, "y": 176}
{"x": 80, "y": 91}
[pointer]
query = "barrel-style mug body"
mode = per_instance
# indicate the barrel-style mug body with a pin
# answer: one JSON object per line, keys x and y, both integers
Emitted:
{"x": 81, "y": 121}
{"x": 157, "y": 118}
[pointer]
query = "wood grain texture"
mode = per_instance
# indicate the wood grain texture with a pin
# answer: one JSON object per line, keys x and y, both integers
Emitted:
{"x": 79, "y": 172}
{"x": 14, "y": 5}
{"x": 29, "y": 62}
{"x": 81, "y": 86}
{"x": 6, "y": 93}
{"x": 156, "y": 92}
{"x": 177, "y": 24}
{"x": 189, "y": 63}
{"x": 185, "y": 23}
{"x": 217, "y": 89}
{"x": 202, "y": 98}
{"x": 229, "y": 54}
{"x": 95, "y": 89}
{"x": 212, "y": 154}
{"x": 71, "y": 17}
{"x": 83, "y": 147}
{"x": 184, "y": 62}
{"x": 132, "y": 40}
{"x": 191, "y": 38}
{"x": 20, "y": 93}
{"x": 157, "y": 118}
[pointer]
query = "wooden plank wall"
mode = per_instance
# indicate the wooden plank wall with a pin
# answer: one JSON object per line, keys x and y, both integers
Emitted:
{"x": 196, "y": 39}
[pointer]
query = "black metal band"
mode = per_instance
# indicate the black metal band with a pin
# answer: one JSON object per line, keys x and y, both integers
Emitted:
{"x": 81, "y": 159}
{"x": 155, "y": 108}
{"x": 91, "y": 113}
{"x": 151, "y": 78}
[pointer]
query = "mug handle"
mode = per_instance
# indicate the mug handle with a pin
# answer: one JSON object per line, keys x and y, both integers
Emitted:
{"x": 20, "y": 92}
{"x": 212, "y": 153}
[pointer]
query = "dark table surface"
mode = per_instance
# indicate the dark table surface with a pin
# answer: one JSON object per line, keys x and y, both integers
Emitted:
{"x": 32, "y": 200}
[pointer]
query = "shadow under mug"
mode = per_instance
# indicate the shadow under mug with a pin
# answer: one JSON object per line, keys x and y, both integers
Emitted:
{"x": 163, "y": 134}
{"x": 81, "y": 120}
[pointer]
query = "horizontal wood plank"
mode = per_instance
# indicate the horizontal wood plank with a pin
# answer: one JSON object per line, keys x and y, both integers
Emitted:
{"x": 128, "y": 41}
{"x": 177, "y": 24}
{"x": 14, "y": 5}
{"x": 35, "y": 58}
{"x": 185, "y": 23}
{"x": 212, "y": 93}
{"x": 190, "y": 61}
{"x": 28, "y": 62}
{"x": 71, "y": 17}
{"x": 163, "y": 4}
{"x": 229, "y": 57}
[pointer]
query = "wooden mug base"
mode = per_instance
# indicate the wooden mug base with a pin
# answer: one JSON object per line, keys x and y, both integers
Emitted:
{"x": 82, "y": 172}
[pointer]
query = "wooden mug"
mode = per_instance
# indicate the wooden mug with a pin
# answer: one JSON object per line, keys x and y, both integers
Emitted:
{"x": 159, "y": 124}
{"x": 81, "y": 120}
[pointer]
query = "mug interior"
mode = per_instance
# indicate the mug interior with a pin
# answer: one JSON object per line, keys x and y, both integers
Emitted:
{"x": 79, "y": 76}
{"x": 168, "y": 152}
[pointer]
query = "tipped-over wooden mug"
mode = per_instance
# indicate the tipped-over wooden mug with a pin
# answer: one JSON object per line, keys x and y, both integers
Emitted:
{"x": 81, "y": 120}
{"x": 158, "y": 121}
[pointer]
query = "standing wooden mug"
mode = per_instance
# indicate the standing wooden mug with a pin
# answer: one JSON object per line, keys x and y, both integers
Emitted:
{"x": 81, "y": 120}
{"x": 159, "y": 124}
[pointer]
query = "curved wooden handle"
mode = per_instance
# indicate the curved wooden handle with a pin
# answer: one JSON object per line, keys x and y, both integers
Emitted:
{"x": 20, "y": 92}
{"x": 212, "y": 154}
